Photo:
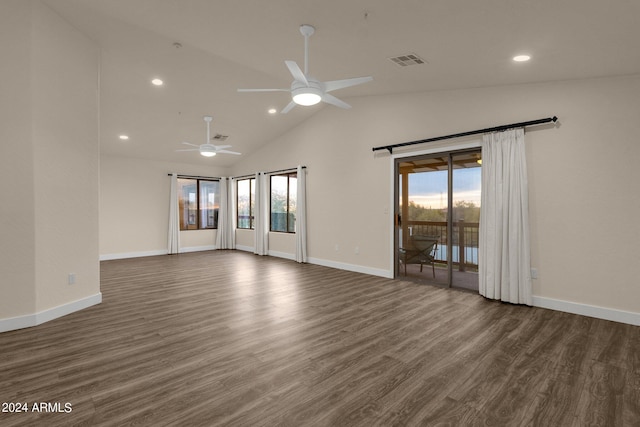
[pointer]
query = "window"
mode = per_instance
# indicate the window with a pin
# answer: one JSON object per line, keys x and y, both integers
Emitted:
{"x": 198, "y": 202}
{"x": 283, "y": 202}
{"x": 246, "y": 191}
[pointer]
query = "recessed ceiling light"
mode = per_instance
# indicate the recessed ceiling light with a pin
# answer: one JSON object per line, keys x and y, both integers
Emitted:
{"x": 521, "y": 58}
{"x": 157, "y": 82}
{"x": 124, "y": 137}
{"x": 272, "y": 111}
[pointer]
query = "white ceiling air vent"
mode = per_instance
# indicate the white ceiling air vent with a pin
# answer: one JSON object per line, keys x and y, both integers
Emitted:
{"x": 220, "y": 137}
{"x": 406, "y": 60}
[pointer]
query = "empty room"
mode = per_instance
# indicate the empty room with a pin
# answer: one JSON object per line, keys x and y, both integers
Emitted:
{"x": 319, "y": 213}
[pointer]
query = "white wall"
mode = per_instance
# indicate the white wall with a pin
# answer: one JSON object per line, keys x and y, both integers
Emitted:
{"x": 50, "y": 167}
{"x": 134, "y": 207}
{"x": 583, "y": 178}
{"x": 17, "y": 210}
{"x": 66, "y": 151}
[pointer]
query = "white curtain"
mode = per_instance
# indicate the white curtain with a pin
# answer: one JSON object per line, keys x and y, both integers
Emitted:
{"x": 233, "y": 213}
{"x": 261, "y": 214}
{"x": 301, "y": 215}
{"x": 173, "y": 241}
{"x": 225, "y": 237}
{"x": 504, "y": 254}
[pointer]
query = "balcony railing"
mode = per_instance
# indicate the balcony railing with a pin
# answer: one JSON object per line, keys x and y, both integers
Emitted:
{"x": 465, "y": 241}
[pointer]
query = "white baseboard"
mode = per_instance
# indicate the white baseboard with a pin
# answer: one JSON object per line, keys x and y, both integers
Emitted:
{"x": 36, "y": 319}
{"x": 124, "y": 255}
{"x": 197, "y": 249}
{"x": 327, "y": 263}
{"x": 352, "y": 267}
{"x": 284, "y": 255}
{"x": 614, "y": 315}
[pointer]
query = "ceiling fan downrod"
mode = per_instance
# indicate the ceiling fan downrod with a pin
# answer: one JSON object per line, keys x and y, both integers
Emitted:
{"x": 307, "y": 31}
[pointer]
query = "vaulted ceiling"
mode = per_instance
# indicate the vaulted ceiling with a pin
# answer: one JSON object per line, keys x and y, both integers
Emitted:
{"x": 204, "y": 50}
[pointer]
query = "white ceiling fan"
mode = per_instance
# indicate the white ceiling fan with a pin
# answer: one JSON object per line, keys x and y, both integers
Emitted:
{"x": 306, "y": 90}
{"x": 207, "y": 149}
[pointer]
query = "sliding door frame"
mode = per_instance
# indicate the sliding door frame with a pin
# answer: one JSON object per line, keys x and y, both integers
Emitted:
{"x": 437, "y": 148}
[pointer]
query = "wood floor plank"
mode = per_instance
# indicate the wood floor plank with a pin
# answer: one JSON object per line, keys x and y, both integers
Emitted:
{"x": 632, "y": 386}
{"x": 548, "y": 408}
{"x": 227, "y": 338}
{"x": 601, "y": 401}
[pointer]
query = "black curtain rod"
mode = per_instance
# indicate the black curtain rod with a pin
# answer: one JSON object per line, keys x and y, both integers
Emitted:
{"x": 283, "y": 170}
{"x": 473, "y": 132}
{"x": 236, "y": 177}
{"x": 195, "y": 177}
{"x": 268, "y": 173}
{"x": 244, "y": 176}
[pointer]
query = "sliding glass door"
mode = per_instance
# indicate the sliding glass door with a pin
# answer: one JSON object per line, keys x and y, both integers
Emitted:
{"x": 437, "y": 218}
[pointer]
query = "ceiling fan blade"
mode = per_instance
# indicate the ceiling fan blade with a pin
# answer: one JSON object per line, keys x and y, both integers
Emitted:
{"x": 330, "y": 99}
{"x": 263, "y": 90}
{"x": 227, "y": 152}
{"x": 188, "y": 143}
{"x": 190, "y": 149}
{"x": 339, "y": 84}
{"x": 288, "y": 108}
{"x": 296, "y": 72}
{"x": 221, "y": 147}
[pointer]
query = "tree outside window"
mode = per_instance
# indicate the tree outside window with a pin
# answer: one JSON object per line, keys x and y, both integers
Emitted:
{"x": 283, "y": 202}
{"x": 246, "y": 191}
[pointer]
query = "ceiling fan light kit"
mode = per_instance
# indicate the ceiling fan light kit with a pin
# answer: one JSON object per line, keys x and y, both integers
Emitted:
{"x": 208, "y": 150}
{"x": 306, "y": 90}
{"x": 306, "y": 95}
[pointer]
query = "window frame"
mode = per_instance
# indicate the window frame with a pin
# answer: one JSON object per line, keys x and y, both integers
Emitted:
{"x": 199, "y": 204}
{"x": 289, "y": 175}
{"x": 252, "y": 214}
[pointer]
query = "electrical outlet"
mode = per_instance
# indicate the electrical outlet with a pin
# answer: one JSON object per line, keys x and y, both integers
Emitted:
{"x": 357, "y": 250}
{"x": 337, "y": 247}
{"x": 534, "y": 273}
{"x": 72, "y": 278}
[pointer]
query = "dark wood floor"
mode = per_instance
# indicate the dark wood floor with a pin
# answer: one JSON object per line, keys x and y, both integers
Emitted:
{"x": 461, "y": 279}
{"x": 230, "y": 338}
